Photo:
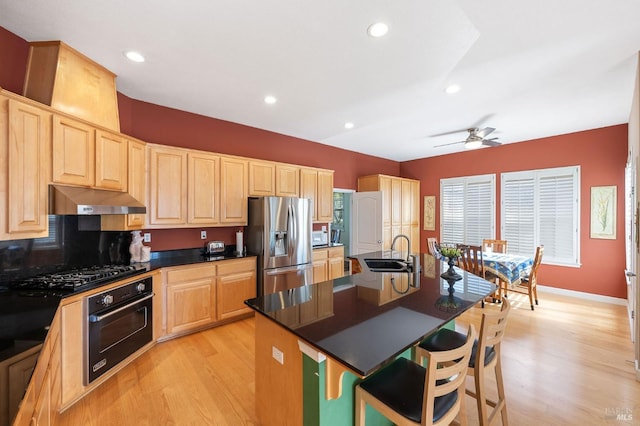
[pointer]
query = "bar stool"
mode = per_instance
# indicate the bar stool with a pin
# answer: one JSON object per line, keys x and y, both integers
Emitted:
{"x": 484, "y": 355}
{"x": 409, "y": 394}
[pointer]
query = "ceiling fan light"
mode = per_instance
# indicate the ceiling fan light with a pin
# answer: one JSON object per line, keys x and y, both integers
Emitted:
{"x": 473, "y": 144}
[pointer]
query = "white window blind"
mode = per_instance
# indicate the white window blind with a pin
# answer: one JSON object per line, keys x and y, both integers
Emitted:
{"x": 467, "y": 209}
{"x": 541, "y": 207}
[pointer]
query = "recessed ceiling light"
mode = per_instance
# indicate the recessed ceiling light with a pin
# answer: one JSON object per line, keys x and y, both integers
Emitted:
{"x": 378, "y": 29}
{"x": 270, "y": 99}
{"x": 348, "y": 125}
{"x": 134, "y": 56}
{"x": 454, "y": 88}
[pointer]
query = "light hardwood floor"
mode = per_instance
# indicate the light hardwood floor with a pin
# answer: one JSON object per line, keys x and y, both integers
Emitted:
{"x": 569, "y": 362}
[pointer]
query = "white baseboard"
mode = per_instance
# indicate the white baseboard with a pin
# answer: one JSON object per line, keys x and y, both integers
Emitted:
{"x": 583, "y": 295}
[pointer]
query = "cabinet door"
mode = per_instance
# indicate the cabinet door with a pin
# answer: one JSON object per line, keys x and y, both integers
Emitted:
{"x": 396, "y": 202}
{"x": 73, "y": 156}
{"x": 262, "y": 180}
{"x": 336, "y": 262}
{"x": 111, "y": 161}
{"x": 407, "y": 201}
{"x": 203, "y": 188}
{"x": 190, "y": 305}
{"x": 232, "y": 291}
{"x": 18, "y": 375}
{"x": 309, "y": 189}
{"x": 71, "y": 352}
{"x": 28, "y": 166}
{"x": 167, "y": 186}
{"x": 233, "y": 191}
{"x": 287, "y": 180}
{"x": 320, "y": 266}
{"x": 42, "y": 412}
{"x": 325, "y": 196}
{"x": 137, "y": 180}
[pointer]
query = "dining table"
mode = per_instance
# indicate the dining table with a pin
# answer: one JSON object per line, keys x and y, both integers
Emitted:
{"x": 508, "y": 268}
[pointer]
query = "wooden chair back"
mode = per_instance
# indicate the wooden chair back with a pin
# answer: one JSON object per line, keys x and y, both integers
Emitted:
{"x": 471, "y": 259}
{"x": 446, "y": 373}
{"x": 537, "y": 260}
{"x": 496, "y": 246}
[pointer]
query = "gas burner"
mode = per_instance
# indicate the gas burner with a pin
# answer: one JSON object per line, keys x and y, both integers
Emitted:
{"x": 75, "y": 278}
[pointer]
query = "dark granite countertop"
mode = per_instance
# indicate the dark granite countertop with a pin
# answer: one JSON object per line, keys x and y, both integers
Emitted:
{"x": 366, "y": 319}
{"x": 25, "y": 315}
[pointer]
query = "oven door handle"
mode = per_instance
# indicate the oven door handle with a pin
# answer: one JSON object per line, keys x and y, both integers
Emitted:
{"x": 98, "y": 318}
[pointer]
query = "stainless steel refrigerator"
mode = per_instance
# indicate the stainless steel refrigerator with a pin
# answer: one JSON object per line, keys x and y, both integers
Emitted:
{"x": 279, "y": 233}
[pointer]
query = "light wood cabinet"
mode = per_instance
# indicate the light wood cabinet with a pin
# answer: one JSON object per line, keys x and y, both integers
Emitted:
{"x": 167, "y": 201}
{"x": 24, "y": 157}
{"x": 190, "y": 298}
{"x": 262, "y": 178}
{"x": 203, "y": 188}
{"x": 401, "y": 209}
{"x": 137, "y": 188}
{"x": 233, "y": 191}
{"x": 111, "y": 161}
{"x": 236, "y": 282}
{"x": 318, "y": 186}
{"x": 85, "y": 156}
{"x": 71, "y": 352}
{"x": 73, "y": 152}
{"x": 287, "y": 180}
{"x": 328, "y": 263}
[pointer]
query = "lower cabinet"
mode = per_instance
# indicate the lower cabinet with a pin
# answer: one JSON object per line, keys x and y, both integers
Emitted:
{"x": 198, "y": 296}
{"x": 328, "y": 263}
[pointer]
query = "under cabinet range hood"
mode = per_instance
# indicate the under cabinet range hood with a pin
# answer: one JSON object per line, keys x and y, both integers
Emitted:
{"x": 89, "y": 201}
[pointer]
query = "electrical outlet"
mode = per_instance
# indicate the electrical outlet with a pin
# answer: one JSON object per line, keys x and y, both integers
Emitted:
{"x": 203, "y": 235}
{"x": 147, "y": 237}
{"x": 277, "y": 354}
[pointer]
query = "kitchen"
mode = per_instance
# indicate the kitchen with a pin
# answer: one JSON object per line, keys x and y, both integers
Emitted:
{"x": 171, "y": 127}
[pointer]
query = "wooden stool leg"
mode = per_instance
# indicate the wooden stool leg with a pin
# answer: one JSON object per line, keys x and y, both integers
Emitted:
{"x": 360, "y": 408}
{"x": 501, "y": 398}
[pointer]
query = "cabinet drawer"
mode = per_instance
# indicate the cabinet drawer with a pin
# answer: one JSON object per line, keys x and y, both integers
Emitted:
{"x": 336, "y": 252}
{"x": 320, "y": 254}
{"x": 190, "y": 273}
{"x": 240, "y": 265}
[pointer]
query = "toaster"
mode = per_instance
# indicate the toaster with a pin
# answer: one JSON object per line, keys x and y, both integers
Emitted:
{"x": 214, "y": 247}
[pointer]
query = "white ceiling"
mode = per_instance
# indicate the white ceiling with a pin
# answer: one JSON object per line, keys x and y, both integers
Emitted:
{"x": 528, "y": 68}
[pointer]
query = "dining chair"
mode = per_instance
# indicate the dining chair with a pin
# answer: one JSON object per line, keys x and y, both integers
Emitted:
{"x": 434, "y": 250}
{"x": 409, "y": 394}
{"x": 496, "y": 246}
{"x": 529, "y": 283}
{"x": 471, "y": 259}
{"x": 485, "y": 356}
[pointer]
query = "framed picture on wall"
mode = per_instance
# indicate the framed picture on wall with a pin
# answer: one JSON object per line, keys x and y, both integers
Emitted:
{"x": 603, "y": 212}
{"x": 429, "y": 213}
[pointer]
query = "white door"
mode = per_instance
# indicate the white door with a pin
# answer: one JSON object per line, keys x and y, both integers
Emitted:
{"x": 630, "y": 242}
{"x": 366, "y": 223}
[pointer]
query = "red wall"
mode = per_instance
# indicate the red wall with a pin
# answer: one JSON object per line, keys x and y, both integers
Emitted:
{"x": 14, "y": 52}
{"x": 601, "y": 155}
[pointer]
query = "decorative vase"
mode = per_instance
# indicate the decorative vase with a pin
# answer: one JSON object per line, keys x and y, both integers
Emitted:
{"x": 450, "y": 273}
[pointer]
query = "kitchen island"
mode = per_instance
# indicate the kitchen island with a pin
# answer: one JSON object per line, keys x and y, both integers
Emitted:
{"x": 314, "y": 343}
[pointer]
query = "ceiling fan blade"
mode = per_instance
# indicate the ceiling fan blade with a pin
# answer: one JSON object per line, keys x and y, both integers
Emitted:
{"x": 447, "y": 144}
{"x": 483, "y": 120}
{"x": 491, "y": 142}
{"x": 483, "y": 133}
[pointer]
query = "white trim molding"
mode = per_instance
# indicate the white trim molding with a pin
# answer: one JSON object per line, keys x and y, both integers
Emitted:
{"x": 583, "y": 295}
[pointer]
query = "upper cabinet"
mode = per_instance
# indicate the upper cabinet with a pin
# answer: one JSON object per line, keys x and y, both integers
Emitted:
{"x": 401, "y": 208}
{"x": 317, "y": 185}
{"x": 86, "y": 156}
{"x": 24, "y": 159}
{"x": 233, "y": 190}
{"x": 287, "y": 180}
{"x": 262, "y": 178}
{"x": 167, "y": 201}
{"x": 203, "y": 188}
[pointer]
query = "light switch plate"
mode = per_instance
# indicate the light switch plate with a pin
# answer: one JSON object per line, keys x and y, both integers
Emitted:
{"x": 147, "y": 237}
{"x": 277, "y": 354}
{"x": 203, "y": 235}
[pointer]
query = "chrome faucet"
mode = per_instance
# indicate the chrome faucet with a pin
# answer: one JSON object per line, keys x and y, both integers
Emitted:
{"x": 393, "y": 243}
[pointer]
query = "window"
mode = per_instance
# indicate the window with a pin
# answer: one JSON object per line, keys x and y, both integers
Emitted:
{"x": 541, "y": 207}
{"x": 467, "y": 209}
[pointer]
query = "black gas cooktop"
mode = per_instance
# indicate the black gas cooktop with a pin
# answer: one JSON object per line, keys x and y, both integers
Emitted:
{"x": 75, "y": 278}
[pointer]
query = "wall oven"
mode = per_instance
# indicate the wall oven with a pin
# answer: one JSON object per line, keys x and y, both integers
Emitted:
{"x": 119, "y": 321}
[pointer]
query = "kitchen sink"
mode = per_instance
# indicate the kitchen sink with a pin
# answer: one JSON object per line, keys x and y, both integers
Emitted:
{"x": 387, "y": 265}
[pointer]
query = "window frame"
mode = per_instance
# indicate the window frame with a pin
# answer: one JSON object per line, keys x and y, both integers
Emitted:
{"x": 537, "y": 175}
{"x": 466, "y": 181}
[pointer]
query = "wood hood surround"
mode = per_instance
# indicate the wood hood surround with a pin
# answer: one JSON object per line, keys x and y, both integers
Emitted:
{"x": 65, "y": 79}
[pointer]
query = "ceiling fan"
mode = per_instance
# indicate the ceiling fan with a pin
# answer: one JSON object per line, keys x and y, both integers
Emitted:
{"x": 477, "y": 138}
